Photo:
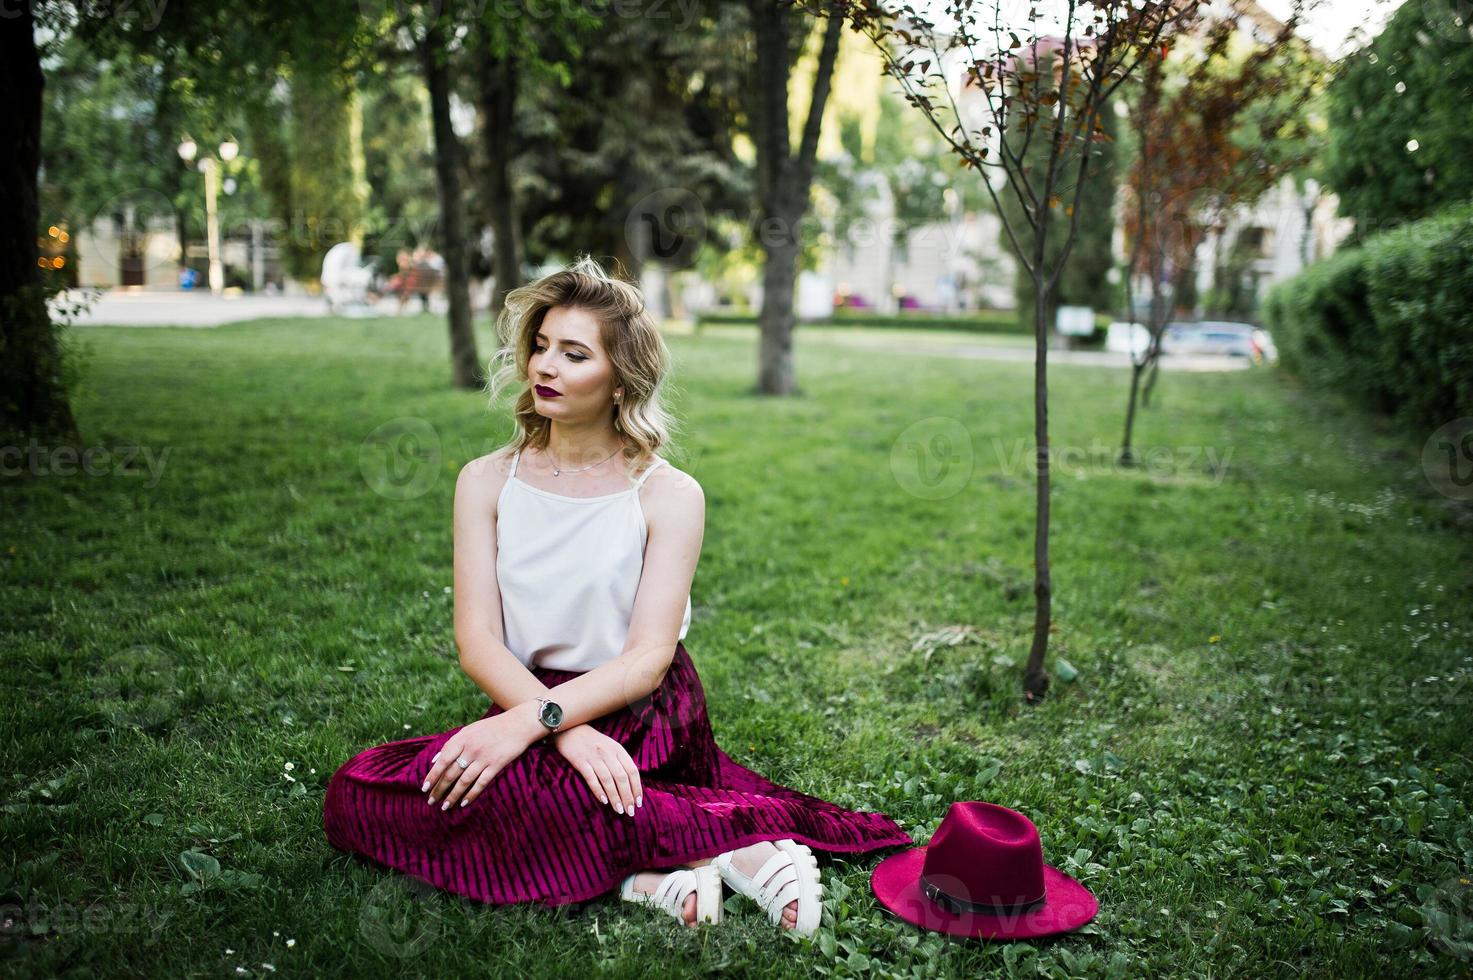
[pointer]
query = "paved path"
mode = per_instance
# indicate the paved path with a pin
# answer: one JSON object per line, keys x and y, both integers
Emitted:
{"x": 991, "y": 352}
{"x": 199, "y": 309}
{"x": 177, "y": 308}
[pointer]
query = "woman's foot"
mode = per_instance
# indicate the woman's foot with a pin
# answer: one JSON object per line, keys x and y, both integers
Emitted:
{"x": 749, "y": 860}
{"x": 645, "y": 882}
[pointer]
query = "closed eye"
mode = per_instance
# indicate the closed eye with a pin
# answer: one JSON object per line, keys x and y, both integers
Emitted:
{"x": 573, "y": 357}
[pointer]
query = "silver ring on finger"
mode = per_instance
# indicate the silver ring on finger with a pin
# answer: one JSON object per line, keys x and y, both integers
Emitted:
{"x": 463, "y": 762}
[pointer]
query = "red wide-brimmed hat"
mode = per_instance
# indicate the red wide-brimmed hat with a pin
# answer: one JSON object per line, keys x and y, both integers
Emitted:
{"x": 982, "y": 875}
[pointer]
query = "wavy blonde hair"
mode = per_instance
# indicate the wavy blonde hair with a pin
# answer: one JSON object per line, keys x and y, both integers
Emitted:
{"x": 628, "y": 335}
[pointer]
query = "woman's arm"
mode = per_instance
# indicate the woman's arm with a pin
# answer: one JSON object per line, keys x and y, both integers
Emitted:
{"x": 484, "y": 655}
{"x": 675, "y": 516}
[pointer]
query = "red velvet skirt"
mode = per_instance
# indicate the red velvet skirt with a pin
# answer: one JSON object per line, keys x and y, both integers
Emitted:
{"x": 537, "y": 833}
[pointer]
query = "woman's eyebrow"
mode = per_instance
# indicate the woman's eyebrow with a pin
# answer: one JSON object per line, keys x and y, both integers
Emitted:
{"x": 543, "y": 336}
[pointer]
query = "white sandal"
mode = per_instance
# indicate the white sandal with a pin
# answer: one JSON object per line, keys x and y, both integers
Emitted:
{"x": 791, "y": 873}
{"x": 671, "y": 893}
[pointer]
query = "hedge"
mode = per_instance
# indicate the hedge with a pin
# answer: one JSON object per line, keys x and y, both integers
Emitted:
{"x": 1389, "y": 322}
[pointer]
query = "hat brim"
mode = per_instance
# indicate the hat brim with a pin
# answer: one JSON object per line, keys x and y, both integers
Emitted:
{"x": 897, "y": 884}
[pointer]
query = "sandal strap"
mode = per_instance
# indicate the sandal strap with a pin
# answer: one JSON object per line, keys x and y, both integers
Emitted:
{"x": 790, "y": 892}
{"x": 785, "y": 882}
{"x": 782, "y": 880}
{"x": 674, "y": 888}
{"x": 770, "y": 868}
{"x": 669, "y": 894}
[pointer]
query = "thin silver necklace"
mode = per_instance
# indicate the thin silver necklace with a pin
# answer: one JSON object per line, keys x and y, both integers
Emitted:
{"x": 557, "y": 471}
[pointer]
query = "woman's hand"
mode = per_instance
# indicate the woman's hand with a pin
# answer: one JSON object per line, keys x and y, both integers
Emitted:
{"x": 604, "y": 764}
{"x": 488, "y": 745}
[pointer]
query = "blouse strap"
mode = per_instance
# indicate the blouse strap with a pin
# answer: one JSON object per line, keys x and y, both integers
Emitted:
{"x": 515, "y": 458}
{"x": 646, "y": 474}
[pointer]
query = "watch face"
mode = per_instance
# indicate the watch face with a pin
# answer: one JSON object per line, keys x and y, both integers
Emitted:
{"x": 552, "y": 714}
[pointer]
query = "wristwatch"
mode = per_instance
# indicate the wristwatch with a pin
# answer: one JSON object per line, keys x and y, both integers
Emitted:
{"x": 550, "y": 713}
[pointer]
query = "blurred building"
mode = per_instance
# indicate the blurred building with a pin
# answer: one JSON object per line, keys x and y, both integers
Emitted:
{"x": 960, "y": 263}
{"x": 947, "y": 266}
{"x": 139, "y": 247}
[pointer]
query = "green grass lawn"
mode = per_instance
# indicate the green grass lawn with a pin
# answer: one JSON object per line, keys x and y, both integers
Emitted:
{"x": 1261, "y": 769}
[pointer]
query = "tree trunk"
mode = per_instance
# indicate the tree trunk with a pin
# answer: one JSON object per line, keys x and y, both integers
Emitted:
{"x": 34, "y": 402}
{"x": 631, "y": 250}
{"x": 498, "y": 90}
{"x": 775, "y": 355}
{"x": 1035, "y": 678}
{"x": 465, "y": 367}
{"x": 783, "y": 180}
{"x": 1148, "y": 357}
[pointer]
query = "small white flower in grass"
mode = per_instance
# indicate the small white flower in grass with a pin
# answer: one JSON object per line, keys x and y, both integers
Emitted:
{"x": 447, "y": 590}
{"x": 312, "y": 771}
{"x": 275, "y": 933}
{"x": 229, "y": 952}
{"x": 240, "y": 970}
{"x": 268, "y": 966}
{"x": 290, "y": 766}
{"x": 1412, "y": 145}
{"x": 406, "y": 728}
{"x": 290, "y": 943}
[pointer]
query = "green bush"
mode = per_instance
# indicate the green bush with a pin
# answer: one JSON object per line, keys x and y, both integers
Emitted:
{"x": 1389, "y": 321}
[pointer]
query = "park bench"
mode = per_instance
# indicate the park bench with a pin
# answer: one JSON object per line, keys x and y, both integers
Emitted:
{"x": 423, "y": 279}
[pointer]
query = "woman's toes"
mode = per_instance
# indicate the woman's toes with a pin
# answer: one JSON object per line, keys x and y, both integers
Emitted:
{"x": 790, "y": 915}
{"x": 690, "y": 909}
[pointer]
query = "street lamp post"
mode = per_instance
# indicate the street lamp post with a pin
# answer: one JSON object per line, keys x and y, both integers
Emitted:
{"x": 211, "y": 168}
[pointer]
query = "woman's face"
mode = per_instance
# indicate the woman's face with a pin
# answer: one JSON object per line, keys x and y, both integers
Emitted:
{"x": 571, "y": 375}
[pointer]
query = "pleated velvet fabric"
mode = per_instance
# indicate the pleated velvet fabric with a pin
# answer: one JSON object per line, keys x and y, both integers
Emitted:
{"x": 537, "y": 833}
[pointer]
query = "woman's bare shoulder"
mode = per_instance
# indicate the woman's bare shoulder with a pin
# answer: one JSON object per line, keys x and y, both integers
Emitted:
{"x": 484, "y": 476}
{"x": 672, "y": 492}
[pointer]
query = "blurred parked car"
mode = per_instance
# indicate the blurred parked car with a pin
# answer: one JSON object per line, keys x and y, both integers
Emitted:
{"x": 1219, "y": 337}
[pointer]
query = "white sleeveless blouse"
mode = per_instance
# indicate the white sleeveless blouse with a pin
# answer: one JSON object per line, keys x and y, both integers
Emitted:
{"x": 568, "y": 569}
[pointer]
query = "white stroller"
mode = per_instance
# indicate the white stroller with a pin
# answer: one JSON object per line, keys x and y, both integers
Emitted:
{"x": 346, "y": 280}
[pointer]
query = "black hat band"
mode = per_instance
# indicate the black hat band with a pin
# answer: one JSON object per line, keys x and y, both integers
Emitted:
{"x": 961, "y": 906}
